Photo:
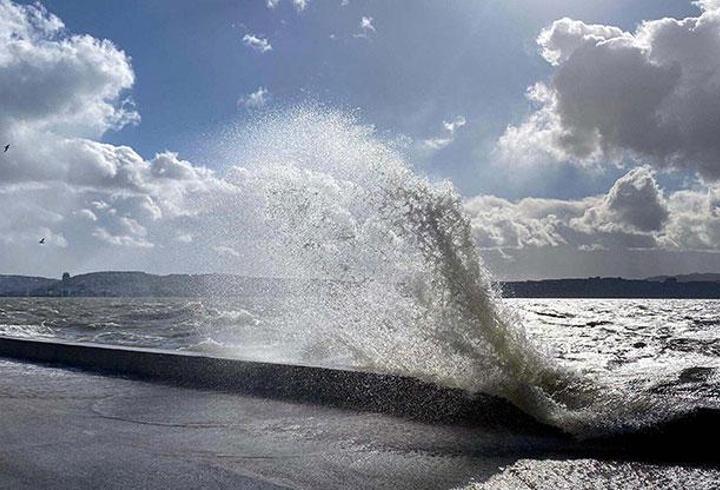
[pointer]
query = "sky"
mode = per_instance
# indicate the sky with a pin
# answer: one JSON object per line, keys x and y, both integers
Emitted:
{"x": 582, "y": 135}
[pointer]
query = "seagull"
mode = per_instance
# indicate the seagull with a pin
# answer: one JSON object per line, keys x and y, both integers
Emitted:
{"x": 7, "y": 147}
{"x": 42, "y": 241}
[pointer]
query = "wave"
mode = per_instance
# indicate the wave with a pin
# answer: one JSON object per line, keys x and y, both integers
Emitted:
{"x": 407, "y": 293}
{"x": 26, "y": 331}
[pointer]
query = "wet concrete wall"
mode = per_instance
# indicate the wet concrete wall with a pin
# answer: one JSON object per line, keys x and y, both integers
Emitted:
{"x": 398, "y": 395}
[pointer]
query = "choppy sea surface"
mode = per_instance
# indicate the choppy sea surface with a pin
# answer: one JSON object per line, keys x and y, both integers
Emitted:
{"x": 668, "y": 348}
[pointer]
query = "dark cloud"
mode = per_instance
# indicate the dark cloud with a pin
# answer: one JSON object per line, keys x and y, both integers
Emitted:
{"x": 652, "y": 94}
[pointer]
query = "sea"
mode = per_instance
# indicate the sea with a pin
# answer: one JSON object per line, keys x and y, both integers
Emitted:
{"x": 662, "y": 352}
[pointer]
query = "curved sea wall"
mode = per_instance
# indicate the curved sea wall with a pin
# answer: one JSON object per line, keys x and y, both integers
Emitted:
{"x": 375, "y": 392}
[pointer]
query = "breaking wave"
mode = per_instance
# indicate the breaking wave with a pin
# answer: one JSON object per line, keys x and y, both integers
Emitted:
{"x": 400, "y": 287}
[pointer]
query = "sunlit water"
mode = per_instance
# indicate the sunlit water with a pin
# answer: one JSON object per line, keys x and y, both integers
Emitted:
{"x": 663, "y": 348}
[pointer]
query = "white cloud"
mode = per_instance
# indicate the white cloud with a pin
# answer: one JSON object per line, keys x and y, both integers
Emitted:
{"x": 299, "y": 5}
{"x": 455, "y": 124}
{"x": 366, "y": 24}
{"x": 86, "y": 213}
{"x": 438, "y": 143}
{"x": 64, "y": 84}
{"x": 226, "y": 251}
{"x": 653, "y": 94}
{"x": 501, "y": 224}
{"x": 259, "y": 44}
{"x": 608, "y": 235}
{"x": 566, "y": 35}
{"x": 634, "y": 203}
{"x": 694, "y": 220}
{"x": 255, "y": 100}
{"x": 620, "y": 218}
{"x": 60, "y": 93}
{"x": 708, "y": 4}
{"x": 634, "y": 214}
{"x": 121, "y": 240}
{"x": 366, "y": 28}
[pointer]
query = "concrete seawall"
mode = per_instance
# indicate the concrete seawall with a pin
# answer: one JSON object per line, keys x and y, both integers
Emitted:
{"x": 396, "y": 395}
{"x": 407, "y": 397}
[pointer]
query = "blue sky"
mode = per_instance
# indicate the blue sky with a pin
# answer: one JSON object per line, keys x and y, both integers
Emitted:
{"x": 582, "y": 135}
{"x": 426, "y": 62}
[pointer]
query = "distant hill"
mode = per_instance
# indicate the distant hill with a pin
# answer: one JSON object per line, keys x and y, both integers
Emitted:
{"x": 695, "y": 277}
{"x": 23, "y": 285}
{"x": 607, "y": 287}
{"x": 142, "y": 284}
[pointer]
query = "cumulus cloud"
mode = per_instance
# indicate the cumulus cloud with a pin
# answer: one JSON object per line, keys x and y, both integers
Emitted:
{"x": 128, "y": 233}
{"x": 86, "y": 213}
{"x": 450, "y": 127}
{"x": 694, "y": 220}
{"x": 635, "y": 214}
{"x": 653, "y": 94}
{"x": 255, "y": 100}
{"x": 299, "y": 5}
{"x": 677, "y": 232}
{"x": 366, "y": 28}
{"x": 366, "y": 24}
{"x": 59, "y": 93}
{"x": 634, "y": 203}
{"x": 256, "y": 43}
{"x": 501, "y": 224}
{"x": 64, "y": 84}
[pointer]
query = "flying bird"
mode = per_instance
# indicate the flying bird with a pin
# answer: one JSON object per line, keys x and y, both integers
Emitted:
{"x": 7, "y": 147}
{"x": 42, "y": 241}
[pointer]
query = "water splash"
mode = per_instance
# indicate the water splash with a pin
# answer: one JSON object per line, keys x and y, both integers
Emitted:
{"x": 398, "y": 282}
